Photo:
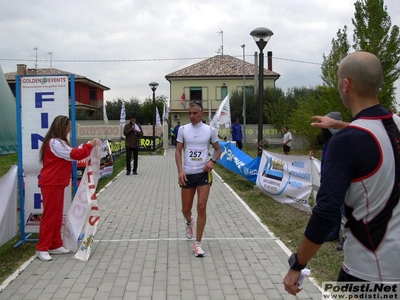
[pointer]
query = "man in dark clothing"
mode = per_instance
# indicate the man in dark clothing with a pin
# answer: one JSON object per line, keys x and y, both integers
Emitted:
{"x": 237, "y": 133}
{"x": 361, "y": 171}
{"x": 133, "y": 133}
{"x": 176, "y": 129}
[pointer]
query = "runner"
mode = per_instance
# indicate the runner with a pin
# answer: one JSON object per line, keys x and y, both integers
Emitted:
{"x": 195, "y": 173}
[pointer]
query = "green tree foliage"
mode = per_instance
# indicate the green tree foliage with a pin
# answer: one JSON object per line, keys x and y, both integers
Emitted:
{"x": 144, "y": 110}
{"x": 374, "y": 33}
{"x": 278, "y": 108}
{"x": 340, "y": 48}
{"x": 236, "y": 105}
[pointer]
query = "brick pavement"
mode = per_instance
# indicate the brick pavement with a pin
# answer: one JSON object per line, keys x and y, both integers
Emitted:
{"x": 140, "y": 250}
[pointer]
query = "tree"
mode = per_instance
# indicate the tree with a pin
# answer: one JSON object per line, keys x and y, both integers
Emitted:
{"x": 340, "y": 48}
{"x": 374, "y": 33}
{"x": 278, "y": 108}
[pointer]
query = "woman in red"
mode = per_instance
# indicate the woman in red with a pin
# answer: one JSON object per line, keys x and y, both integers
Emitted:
{"x": 56, "y": 155}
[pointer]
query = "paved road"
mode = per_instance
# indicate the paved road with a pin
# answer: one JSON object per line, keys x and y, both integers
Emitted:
{"x": 140, "y": 250}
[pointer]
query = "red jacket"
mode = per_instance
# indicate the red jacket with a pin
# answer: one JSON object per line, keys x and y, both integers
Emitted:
{"x": 57, "y": 163}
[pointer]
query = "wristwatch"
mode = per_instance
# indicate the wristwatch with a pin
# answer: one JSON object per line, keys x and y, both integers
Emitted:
{"x": 294, "y": 263}
{"x": 213, "y": 160}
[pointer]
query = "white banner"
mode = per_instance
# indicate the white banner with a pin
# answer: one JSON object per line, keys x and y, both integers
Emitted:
{"x": 84, "y": 210}
{"x": 158, "y": 120}
{"x": 122, "y": 117}
{"x": 8, "y": 205}
{"x": 286, "y": 178}
{"x": 42, "y": 99}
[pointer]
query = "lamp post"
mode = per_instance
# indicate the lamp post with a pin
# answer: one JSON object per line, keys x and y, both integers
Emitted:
{"x": 244, "y": 94}
{"x": 261, "y": 36}
{"x": 153, "y": 85}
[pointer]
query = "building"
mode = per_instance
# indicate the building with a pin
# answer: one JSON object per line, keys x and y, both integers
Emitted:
{"x": 211, "y": 80}
{"x": 89, "y": 95}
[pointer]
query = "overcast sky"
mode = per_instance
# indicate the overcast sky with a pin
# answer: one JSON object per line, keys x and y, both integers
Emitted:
{"x": 128, "y": 44}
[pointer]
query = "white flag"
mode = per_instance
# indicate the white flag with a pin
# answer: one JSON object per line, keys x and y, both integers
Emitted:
{"x": 209, "y": 113}
{"x": 123, "y": 114}
{"x": 165, "y": 112}
{"x": 158, "y": 120}
{"x": 105, "y": 118}
{"x": 222, "y": 115}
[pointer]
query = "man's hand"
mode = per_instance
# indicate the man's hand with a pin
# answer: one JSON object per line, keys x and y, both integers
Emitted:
{"x": 182, "y": 178}
{"x": 291, "y": 282}
{"x": 326, "y": 122}
{"x": 209, "y": 166}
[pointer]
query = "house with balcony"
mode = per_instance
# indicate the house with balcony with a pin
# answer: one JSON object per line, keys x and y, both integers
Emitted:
{"x": 211, "y": 80}
{"x": 89, "y": 94}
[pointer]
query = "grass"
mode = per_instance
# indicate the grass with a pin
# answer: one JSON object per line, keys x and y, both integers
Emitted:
{"x": 286, "y": 222}
{"x": 11, "y": 258}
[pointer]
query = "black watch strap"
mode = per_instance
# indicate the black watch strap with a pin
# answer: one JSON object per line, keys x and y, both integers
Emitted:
{"x": 294, "y": 263}
{"x": 213, "y": 160}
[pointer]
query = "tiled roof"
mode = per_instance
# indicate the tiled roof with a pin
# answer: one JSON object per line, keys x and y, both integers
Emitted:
{"x": 220, "y": 66}
{"x": 10, "y": 76}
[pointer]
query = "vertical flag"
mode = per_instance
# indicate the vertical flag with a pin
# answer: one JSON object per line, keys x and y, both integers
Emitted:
{"x": 123, "y": 114}
{"x": 158, "y": 120}
{"x": 222, "y": 115}
{"x": 105, "y": 118}
{"x": 209, "y": 113}
{"x": 165, "y": 112}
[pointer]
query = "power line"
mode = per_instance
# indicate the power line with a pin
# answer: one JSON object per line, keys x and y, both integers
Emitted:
{"x": 141, "y": 60}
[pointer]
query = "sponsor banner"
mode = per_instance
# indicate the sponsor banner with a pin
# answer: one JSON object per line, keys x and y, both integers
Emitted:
{"x": 106, "y": 161}
{"x": 87, "y": 132}
{"x": 8, "y": 207}
{"x": 42, "y": 99}
{"x": 238, "y": 161}
{"x": 84, "y": 210}
{"x": 360, "y": 290}
{"x": 286, "y": 178}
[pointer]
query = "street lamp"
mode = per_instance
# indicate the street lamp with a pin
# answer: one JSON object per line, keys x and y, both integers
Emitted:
{"x": 153, "y": 85}
{"x": 261, "y": 35}
{"x": 244, "y": 94}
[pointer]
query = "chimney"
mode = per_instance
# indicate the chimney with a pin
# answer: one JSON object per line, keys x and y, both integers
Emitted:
{"x": 21, "y": 69}
{"x": 31, "y": 72}
{"x": 269, "y": 55}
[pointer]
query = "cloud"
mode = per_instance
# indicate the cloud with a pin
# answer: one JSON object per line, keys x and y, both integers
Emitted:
{"x": 127, "y": 44}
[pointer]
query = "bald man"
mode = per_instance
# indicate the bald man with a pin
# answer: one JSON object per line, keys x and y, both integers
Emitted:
{"x": 361, "y": 170}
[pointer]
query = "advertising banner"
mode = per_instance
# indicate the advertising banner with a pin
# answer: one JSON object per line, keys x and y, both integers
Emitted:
{"x": 238, "y": 161}
{"x": 42, "y": 99}
{"x": 286, "y": 178}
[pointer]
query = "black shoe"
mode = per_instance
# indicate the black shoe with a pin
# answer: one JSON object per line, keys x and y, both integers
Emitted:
{"x": 127, "y": 173}
{"x": 134, "y": 173}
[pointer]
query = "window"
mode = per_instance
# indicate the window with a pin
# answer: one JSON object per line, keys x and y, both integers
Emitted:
{"x": 196, "y": 93}
{"x": 92, "y": 94}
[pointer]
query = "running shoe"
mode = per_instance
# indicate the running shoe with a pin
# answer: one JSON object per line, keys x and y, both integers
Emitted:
{"x": 198, "y": 251}
{"x": 190, "y": 229}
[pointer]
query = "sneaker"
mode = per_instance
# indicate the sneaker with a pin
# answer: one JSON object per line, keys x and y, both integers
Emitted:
{"x": 60, "y": 250}
{"x": 134, "y": 173}
{"x": 198, "y": 251}
{"x": 190, "y": 229}
{"x": 43, "y": 255}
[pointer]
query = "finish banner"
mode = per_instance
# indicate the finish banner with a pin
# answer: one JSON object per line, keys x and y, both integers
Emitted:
{"x": 84, "y": 211}
{"x": 42, "y": 99}
{"x": 286, "y": 178}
